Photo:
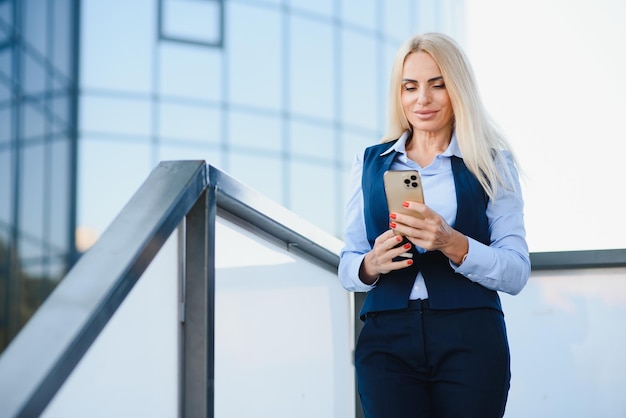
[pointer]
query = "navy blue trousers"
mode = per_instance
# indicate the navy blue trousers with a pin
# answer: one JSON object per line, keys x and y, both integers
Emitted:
{"x": 423, "y": 363}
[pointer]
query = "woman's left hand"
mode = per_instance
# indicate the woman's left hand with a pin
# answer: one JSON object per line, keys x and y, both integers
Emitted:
{"x": 431, "y": 233}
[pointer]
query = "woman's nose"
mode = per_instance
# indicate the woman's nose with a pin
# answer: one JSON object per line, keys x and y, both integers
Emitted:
{"x": 423, "y": 96}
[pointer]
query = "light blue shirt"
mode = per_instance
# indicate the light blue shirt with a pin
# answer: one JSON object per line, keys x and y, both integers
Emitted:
{"x": 504, "y": 265}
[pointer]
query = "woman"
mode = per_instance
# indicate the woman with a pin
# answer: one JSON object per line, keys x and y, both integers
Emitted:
{"x": 434, "y": 343}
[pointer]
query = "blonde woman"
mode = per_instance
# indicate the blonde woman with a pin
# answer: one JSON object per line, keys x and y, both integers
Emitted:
{"x": 434, "y": 342}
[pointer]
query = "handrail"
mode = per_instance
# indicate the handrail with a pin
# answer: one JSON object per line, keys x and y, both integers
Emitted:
{"x": 43, "y": 354}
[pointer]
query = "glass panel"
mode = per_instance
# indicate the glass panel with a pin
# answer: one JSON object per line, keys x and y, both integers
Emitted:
{"x": 35, "y": 24}
{"x": 324, "y": 7}
{"x": 567, "y": 327}
{"x": 117, "y": 57}
{"x": 361, "y": 105}
{"x": 6, "y": 183}
{"x": 354, "y": 143}
{"x": 5, "y": 75}
{"x": 148, "y": 323}
{"x": 252, "y": 131}
{"x": 5, "y": 125}
{"x": 190, "y": 72}
{"x": 116, "y": 115}
{"x": 31, "y": 202}
{"x": 33, "y": 122}
{"x": 6, "y": 12}
{"x": 109, "y": 174}
{"x": 255, "y": 71}
{"x": 313, "y": 193}
{"x": 189, "y": 123}
{"x": 311, "y": 87}
{"x": 61, "y": 54}
{"x": 312, "y": 140}
{"x": 34, "y": 81}
{"x": 261, "y": 173}
{"x": 60, "y": 108}
{"x": 192, "y": 20}
{"x": 398, "y": 17}
{"x": 360, "y": 13}
{"x": 283, "y": 331}
{"x": 58, "y": 179}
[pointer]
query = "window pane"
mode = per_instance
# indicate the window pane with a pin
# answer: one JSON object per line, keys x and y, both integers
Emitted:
{"x": 309, "y": 185}
{"x": 34, "y": 81}
{"x": 324, "y": 7}
{"x": 360, "y": 13}
{"x": 31, "y": 201}
{"x": 190, "y": 72}
{"x": 35, "y": 21}
{"x": 61, "y": 53}
{"x": 398, "y": 18}
{"x": 360, "y": 67}
{"x": 5, "y": 125}
{"x": 113, "y": 115}
{"x": 263, "y": 174}
{"x": 253, "y": 131}
{"x": 255, "y": 71}
{"x": 119, "y": 56}
{"x": 189, "y": 123}
{"x": 58, "y": 208}
{"x": 192, "y": 20}
{"x": 6, "y": 201}
{"x": 312, "y": 140}
{"x": 109, "y": 174}
{"x": 311, "y": 54}
{"x": 33, "y": 122}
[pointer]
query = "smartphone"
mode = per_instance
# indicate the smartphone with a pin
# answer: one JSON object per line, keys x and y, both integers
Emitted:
{"x": 402, "y": 186}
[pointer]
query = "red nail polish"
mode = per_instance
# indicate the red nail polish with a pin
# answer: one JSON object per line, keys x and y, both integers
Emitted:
{"x": 392, "y": 216}
{"x": 405, "y": 204}
{"x": 409, "y": 262}
{"x": 407, "y": 246}
{"x": 392, "y": 225}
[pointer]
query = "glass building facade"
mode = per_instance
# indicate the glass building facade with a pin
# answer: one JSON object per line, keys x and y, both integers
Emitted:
{"x": 280, "y": 94}
{"x": 38, "y": 135}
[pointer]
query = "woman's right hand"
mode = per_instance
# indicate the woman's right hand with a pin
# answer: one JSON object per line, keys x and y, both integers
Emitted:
{"x": 380, "y": 259}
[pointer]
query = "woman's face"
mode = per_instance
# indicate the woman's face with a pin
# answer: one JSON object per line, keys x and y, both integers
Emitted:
{"x": 424, "y": 97}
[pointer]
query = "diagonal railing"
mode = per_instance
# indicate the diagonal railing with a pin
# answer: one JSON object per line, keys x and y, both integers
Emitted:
{"x": 184, "y": 194}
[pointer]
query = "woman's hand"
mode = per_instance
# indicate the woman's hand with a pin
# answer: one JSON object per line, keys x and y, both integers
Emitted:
{"x": 380, "y": 259}
{"x": 431, "y": 233}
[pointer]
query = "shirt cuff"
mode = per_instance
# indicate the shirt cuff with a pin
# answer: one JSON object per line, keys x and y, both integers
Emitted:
{"x": 478, "y": 263}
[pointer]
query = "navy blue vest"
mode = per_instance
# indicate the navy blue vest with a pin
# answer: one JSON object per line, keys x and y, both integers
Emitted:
{"x": 446, "y": 289}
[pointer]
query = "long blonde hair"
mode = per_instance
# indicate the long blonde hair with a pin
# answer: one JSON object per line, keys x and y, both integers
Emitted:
{"x": 479, "y": 138}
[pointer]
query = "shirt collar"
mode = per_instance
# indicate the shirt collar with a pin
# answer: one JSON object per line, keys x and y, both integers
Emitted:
{"x": 400, "y": 146}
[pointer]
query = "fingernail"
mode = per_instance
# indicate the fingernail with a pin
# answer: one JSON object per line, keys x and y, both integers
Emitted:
{"x": 407, "y": 246}
{"x": 409, "y": 262}
{"x": 405, "y": 204}
{"x": 392, "y": 225}
{"x": 392, "y": 216}
{"x": 398, "y": 238}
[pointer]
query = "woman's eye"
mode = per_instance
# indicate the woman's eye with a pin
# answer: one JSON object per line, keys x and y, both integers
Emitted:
{"x": 409, "y": 88}
{"x": 439, "y": 86}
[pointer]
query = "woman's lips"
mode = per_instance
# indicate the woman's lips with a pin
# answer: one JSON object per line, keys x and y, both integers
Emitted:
{"x": 425, "y": 114}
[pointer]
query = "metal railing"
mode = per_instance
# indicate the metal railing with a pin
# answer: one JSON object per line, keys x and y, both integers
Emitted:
{"x": 182, "y": 193}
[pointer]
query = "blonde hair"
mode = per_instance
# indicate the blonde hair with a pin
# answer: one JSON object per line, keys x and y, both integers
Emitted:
{"x": 479, "y": 138}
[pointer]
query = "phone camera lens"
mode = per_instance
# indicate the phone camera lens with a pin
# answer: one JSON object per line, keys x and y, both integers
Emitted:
{"x": 413, "y": 177}
{"x": 414, "y": 185}
{"x": 407, "y": 181}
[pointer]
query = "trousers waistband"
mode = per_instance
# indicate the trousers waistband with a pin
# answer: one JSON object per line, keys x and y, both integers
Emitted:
{"x": 418, "y": 305}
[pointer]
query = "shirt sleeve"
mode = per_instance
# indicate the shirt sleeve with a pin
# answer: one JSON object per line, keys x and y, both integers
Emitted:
{"x": 356, "y": 244}
{"x": 504, "y": 265}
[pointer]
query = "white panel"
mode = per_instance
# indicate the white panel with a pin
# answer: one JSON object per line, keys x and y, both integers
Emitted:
{"x": 284, "y": 332}
{"x": 567, "y": 336}
{"x": 131, "y": 370}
